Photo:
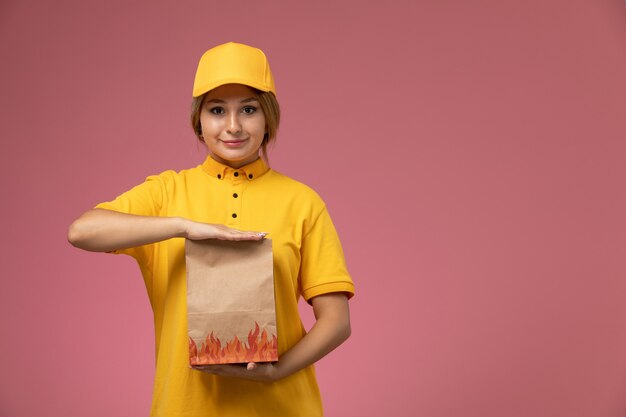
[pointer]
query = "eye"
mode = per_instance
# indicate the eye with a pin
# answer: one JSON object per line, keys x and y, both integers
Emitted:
{"x": 217, "y": 110}
{"x": 248, "y": 110}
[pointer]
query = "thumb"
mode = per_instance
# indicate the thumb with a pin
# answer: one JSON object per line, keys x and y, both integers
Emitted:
{"x": 251, "y": 366}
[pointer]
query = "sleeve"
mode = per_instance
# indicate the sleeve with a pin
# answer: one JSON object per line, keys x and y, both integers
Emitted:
{"x": 323, "y": 266}
{"x": 146, "y": 199}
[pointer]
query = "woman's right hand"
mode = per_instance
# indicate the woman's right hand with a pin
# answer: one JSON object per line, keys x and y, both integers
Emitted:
{"x": 201, "y": 231}
{"x": 100, "y": 230}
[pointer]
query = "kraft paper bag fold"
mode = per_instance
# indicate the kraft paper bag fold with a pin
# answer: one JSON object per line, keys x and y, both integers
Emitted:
{"x": 231, "y": 310}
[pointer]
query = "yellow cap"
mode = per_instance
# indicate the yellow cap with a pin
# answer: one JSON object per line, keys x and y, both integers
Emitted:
{"x": 233, "y": 63}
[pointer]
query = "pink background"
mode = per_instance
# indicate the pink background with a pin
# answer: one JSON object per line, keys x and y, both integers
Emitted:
{"x": 472, "y": 155}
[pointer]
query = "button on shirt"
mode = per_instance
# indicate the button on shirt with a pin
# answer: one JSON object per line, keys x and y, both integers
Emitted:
{"x": 234, "y": 181}
{"x": 308, "y": 261}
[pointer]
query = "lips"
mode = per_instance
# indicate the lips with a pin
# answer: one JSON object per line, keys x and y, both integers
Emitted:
{"x": 233, "y": 143}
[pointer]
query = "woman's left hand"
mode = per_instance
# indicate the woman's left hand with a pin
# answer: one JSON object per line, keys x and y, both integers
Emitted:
{"x": 260, "y": 372}
{"x": 331, "y": 328}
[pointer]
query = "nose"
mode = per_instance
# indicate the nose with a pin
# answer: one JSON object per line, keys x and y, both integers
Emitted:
{"x": 233, "y": 126}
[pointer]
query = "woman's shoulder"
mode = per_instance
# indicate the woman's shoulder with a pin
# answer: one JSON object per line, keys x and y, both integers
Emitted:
{"x": 174, "y": 175}
{"x": 292, "y": 186}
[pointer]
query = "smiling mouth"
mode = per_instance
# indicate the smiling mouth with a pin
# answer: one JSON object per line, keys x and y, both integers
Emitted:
{"x": 233, "y": 143}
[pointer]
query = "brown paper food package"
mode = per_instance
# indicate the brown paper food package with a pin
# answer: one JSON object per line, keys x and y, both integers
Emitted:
{"x": 231, "y": 310}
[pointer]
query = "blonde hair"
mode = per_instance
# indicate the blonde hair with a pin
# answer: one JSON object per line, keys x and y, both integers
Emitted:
{"x": 267, "y": 102}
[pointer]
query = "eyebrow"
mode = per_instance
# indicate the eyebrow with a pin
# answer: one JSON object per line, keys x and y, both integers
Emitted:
{"x": 245, "y": 100}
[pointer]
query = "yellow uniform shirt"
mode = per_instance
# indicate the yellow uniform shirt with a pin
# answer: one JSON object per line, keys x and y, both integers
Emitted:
{"x": 308, "y": 261}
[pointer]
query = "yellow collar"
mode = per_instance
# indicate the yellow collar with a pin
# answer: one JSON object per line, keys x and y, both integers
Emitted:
{"x": 251, "y": 171}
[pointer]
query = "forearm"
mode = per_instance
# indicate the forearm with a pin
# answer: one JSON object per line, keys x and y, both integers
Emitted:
{"x": 100, "y": 230}
{"x": 331, "y": 329}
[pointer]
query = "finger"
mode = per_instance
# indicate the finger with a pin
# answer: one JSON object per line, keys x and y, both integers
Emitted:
{"x": 209, "y": 368}
{"x": 241, "y": 235}
{"x": 250, "y": 236}
{"x": 216, "y": 367}
{"x": 251, "y": 366}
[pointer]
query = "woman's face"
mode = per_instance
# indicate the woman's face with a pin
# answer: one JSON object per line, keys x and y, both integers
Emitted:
{"x": 233, "y": 124}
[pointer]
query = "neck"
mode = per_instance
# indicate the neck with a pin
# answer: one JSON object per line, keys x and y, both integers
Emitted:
{"x": 235, "y": 164}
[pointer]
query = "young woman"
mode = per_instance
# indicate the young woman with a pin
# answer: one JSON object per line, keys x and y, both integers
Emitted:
{"x": 232, "y": 195}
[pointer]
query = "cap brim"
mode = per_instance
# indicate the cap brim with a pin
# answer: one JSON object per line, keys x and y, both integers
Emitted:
{"x": 197, "y": 92}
